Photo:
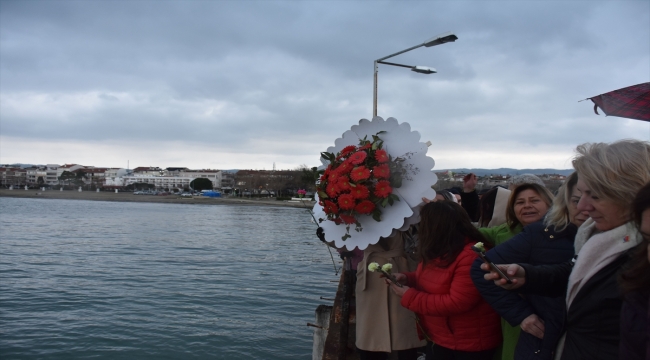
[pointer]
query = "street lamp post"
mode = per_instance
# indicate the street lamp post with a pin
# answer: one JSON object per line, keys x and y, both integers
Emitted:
{"x": 445, "y": 38}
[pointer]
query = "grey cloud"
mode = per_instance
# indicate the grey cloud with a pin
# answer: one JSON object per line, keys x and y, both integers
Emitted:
{"x": 232, "y": 73}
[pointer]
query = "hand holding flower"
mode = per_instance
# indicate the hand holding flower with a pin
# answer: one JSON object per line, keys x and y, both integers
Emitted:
{"x": 398, "y": 277}
{"x": 385, "y": 272}
{"x": 399, "y": 290}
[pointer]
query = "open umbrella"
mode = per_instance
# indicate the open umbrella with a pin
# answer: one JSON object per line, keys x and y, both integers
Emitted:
{"x": 632, "y": 102}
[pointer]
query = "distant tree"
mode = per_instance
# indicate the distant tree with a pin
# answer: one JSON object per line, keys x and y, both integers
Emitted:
{"x": 66, "y": 177}
{"x": 40, "y": 181}
{"x": 308, "y": 178}
{"x": 201, "y": 184}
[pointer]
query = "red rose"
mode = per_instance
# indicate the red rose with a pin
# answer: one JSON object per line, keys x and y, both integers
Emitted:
{"x": 332, "y": 190}
{"x": 344, "y": 168}
{"x": 330, "y": 207}
{"x": 381, "y": 171}
{"x": 359, "y": 192}
{"x": 358, "y": 157}
{"x": 346, "y": 202}
{"x": 360, "y": 173}
{"x": 383, "y": 189}
{"x": 348, "y": 219}
{"x": 348, "y": 150}
{"x": 343, "y": 184}
{"x": 365, "y": 207}
{"x": 381, "y": 156}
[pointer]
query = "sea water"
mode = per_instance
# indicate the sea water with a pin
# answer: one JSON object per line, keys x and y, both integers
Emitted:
{"x": 108, "y": 280}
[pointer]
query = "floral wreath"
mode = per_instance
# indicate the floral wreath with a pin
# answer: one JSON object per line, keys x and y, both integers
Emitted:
{"x": 374, "y": 178}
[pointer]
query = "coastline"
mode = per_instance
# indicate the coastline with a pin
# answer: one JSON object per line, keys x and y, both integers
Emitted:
{"x": 129, "y": 197}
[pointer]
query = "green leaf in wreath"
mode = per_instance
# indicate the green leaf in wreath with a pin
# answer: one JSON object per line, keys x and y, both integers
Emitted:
{"x": 376, "y": 215}
{"x": 396, "y": 181}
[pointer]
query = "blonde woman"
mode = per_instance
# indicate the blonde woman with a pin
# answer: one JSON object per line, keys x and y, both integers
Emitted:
{"x": 545, "y": 242}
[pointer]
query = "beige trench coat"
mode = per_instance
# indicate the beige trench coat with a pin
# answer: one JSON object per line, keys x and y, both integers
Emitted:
{"x": 382, "y": 323}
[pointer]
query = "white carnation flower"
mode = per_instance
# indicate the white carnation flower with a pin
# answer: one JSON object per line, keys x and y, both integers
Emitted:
{"x": 373, "y": 267}
{"x": 387, "y": 268}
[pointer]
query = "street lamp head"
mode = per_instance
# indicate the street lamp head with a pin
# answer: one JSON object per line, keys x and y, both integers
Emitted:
{"x": 423, "y": 70}
{"x": 445, "y": 38}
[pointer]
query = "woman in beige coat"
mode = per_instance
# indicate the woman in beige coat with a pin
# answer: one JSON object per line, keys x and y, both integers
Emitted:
{"x": 383, "y": 325}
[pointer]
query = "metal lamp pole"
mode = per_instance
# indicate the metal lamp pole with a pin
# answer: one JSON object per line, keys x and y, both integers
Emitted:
{"x": 445, "y": 38}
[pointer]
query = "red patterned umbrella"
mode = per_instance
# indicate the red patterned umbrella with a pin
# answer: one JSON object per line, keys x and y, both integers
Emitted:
{"x": 632, "y": 102}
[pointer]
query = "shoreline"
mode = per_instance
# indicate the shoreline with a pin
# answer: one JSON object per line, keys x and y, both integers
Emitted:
{"x": 129, "y": 197}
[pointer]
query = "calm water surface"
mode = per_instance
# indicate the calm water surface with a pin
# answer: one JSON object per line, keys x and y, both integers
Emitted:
{"x": 104, "y": 280}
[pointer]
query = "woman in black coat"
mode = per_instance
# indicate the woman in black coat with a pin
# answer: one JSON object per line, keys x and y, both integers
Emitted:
{"x": 635, "y": 283}
{"x": 541, "y": 317}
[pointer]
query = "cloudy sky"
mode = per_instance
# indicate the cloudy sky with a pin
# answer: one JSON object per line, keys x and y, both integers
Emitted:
{"x": 246, "y": 84}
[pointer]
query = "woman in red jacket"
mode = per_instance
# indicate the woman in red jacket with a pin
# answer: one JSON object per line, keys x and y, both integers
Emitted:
{"x": 452, "y": 316}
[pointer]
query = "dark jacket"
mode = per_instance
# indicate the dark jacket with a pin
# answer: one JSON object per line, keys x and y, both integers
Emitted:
{"x": 635, "y": 327}
{"x": 469, "y": 201}
{"x": 593, "y": 320}
{"x": 535, "y": 245}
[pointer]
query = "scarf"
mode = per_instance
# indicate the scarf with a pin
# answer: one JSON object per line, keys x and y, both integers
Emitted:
{"x": 597, "y": 250}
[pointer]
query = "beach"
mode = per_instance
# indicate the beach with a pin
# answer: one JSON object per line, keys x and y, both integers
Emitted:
{"x": 129, "y": 197}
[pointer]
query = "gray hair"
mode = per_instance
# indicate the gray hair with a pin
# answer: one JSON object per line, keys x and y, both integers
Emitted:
{"x": 614, "y": 171}
{"x": 525, "y": 179}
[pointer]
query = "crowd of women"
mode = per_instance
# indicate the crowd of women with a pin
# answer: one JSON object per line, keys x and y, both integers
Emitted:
{"x": 577, "y": 262}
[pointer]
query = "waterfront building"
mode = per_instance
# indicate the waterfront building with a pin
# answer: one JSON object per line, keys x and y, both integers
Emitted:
{"x": 148, "y": 171}
{"x": 159, "y": 182}
{"x": 13, "y": 176}
{"x": 42, "y": 175}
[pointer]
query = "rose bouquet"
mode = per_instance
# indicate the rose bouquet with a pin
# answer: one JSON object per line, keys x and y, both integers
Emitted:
{"x": 359, "y": 181}
{"x": 373, "y": 179}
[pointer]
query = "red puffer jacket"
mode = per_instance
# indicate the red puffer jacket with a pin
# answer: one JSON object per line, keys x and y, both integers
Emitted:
{"x": 450, "y": 308}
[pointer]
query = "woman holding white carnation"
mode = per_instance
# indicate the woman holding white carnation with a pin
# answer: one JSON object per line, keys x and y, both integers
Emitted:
{"x": 453, "y": 318}
{"x": 383, "y": 326}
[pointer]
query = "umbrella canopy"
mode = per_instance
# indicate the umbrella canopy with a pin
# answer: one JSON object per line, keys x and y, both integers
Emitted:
{"x": 632, "y": 102}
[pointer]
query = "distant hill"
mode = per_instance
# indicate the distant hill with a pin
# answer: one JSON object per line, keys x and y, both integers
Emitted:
{"x": 509, "y": 171}
{"x": 18, "y": 165}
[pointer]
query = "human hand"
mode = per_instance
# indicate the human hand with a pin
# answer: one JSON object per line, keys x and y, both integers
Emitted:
{"x": 426, "y": 201}
{"x": 398, "y": 277}
{"x": 533, "y": 325}
{"x": 399, "y": 291}
{"x": 515, "y": 272}
{"x": 470, "y": 184}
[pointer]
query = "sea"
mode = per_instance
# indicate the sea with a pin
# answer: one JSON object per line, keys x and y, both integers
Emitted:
{"x": 117, "y": 280}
